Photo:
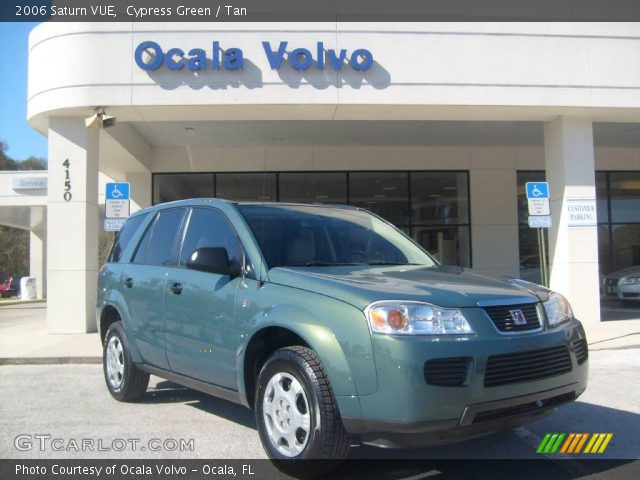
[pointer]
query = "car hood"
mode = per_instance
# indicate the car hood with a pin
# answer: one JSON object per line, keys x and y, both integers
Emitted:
{"x": 445, "y": 286}
{"x": 626, "y": 272}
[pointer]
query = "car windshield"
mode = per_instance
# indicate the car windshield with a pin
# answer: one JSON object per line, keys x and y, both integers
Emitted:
{"x": 310, "y": 236}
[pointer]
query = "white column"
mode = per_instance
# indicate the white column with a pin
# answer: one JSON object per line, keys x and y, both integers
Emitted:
{"x": 72, "y": 223}
{"x": 494, "y": 222}
{"x": 573, "y": 251}
{"x": 37, "y": 261}
{"x": 140, "y": 184}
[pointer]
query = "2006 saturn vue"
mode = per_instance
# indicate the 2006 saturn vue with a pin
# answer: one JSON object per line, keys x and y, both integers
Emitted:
{"x": 332, "y": 325}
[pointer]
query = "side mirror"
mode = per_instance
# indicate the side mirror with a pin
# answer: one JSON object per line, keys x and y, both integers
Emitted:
{"x": 214, "y": 260}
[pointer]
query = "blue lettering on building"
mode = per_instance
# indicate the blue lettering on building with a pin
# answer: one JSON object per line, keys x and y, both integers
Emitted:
{"x": 232, "y": 58}
{"x": 302, "y": 58}
{"x": 195, "y": 60}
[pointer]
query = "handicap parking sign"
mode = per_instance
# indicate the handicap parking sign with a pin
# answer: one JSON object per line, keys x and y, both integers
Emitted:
{"x": 117, "y": 201}
{"x": 538, "y": 198}
{"x": 537, "y": 190}
{"x": 117, "y": 191}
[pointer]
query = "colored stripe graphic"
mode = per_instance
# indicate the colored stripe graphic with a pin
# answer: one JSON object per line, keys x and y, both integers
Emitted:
{"x": 594, "y": 437}
{"x": 550, "y": 443}
{"x": 596, "y": 446}
{"x": 598, "y": 437}
{"x": 598, "y": 443}
{"x": 573, "y": 443}
{"x": 606, "y": 442}
{"x": 556, "y": 445}
{"x": 568, "y": 442}
{"x": 543, "y": 443}
{"x": 584, "y": 439}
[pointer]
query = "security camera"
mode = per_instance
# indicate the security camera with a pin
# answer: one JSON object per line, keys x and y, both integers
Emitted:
{"x": 93, "y": 121}
{"x": 107, "y": 121}
{"x": 100, "y": 119}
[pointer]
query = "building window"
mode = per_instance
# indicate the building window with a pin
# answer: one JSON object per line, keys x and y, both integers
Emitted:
{"x": 624, "y": 197}
{"x": 384, "y": 193}
{"x": 440, "y": 215}
{"x": 618, "y": 210}
{"x": 168, "y": 187}
{"x": 317, "y": 187}
{"x": 247, "y": 187}
{"x": 432, "y": 207}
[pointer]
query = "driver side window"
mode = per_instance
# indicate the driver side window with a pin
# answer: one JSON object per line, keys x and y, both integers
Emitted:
{"x": 210, "y": 228}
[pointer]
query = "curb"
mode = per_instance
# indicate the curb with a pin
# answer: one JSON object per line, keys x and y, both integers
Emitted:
{"x": 9, "y": 303}
{"x": 50, "y": 360}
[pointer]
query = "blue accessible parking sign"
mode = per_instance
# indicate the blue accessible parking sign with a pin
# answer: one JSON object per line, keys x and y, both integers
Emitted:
{"x": 117, "y": 191}
{"x": 537, "y": 190}
{"x": 116, "y": 204}
{"x": 538, "y": 198}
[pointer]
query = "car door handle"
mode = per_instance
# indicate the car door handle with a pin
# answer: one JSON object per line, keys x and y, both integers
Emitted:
{"x": 128, "y": 282}
{"x": 176, "y": 288}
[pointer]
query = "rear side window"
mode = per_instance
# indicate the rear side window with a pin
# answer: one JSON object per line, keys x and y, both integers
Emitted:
{"x": 158, "y": 244}
{"x": 124, "y": 237}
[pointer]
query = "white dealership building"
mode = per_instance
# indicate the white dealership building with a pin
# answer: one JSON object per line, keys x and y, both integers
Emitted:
{"x": 435, "y": 126}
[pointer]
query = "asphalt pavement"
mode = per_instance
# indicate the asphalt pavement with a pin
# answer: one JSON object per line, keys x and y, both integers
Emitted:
{"x": 67, "y": 410}
{"x": 71, "y": 402}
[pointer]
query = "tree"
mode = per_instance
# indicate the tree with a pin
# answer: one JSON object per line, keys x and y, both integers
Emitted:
{"x": 14, "y": 253}
{"x": 8, "y": 163}
{"x": 33, "y": 163}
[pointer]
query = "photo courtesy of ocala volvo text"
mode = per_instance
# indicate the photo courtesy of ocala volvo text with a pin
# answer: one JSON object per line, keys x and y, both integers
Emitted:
{"x": 332, "y": 325}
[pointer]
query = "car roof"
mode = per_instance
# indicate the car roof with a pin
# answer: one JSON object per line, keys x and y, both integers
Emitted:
{"x": 224, "y": 204}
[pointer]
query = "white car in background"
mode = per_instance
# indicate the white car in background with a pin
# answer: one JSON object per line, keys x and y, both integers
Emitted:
{"x": 623, "y": 284}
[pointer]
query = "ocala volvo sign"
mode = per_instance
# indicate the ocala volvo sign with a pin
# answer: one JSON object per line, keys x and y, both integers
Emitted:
{"x": 233, "y": 58}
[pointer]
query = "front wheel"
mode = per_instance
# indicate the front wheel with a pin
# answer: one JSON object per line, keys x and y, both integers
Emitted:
{"x": 125, "y": 381}
{"x": 296, "y": 410}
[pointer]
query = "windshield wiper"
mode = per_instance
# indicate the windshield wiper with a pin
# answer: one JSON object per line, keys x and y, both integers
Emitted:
{"x": 318, "y": 263}
{"x": 390, "y": 263}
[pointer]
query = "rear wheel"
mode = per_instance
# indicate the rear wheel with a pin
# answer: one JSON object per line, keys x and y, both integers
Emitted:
{"x": 297, "y": 414}
{"x": 125, "y": 381}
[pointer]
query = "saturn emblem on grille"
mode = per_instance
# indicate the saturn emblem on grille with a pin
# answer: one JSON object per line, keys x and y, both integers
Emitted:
{"x": 518, "y": 317}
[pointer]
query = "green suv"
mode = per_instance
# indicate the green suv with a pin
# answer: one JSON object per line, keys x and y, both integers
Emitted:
{"x": 332, "y": 325}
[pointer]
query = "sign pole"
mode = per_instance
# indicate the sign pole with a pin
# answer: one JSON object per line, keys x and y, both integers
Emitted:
{"x": 540, "y": 218}
{"x": 542, "y": 252}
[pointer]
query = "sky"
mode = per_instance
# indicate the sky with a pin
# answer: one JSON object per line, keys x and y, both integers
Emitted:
{"x": 23, "y": 141}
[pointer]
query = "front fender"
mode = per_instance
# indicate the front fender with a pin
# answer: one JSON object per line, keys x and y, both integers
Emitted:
{"x": 335, "y": 330}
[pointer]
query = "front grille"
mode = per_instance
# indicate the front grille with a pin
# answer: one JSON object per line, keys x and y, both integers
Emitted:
{"x": 448, "y": 372}
{"x": 504, "y": 317}
{"x": 581, "y": 350}
{"x": 530, "y": 407}
{"x": 527, "y": 366}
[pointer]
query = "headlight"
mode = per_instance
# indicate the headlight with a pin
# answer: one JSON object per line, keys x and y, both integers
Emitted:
{"x": 630, "y": 281}
{"x": 415, "y": 318}
{"x": 558, "y": 309}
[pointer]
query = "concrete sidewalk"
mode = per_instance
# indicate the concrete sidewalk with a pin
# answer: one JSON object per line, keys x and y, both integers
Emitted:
{"x": 24, "y": 338}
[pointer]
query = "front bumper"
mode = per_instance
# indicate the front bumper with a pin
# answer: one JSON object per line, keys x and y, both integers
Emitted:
{"x": 477, "y": 420}
{"x": 405, "y": 411}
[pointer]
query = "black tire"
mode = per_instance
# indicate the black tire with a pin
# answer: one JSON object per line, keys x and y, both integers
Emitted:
{"x": 133, "y": 382}
{"x": 327, "y": 440}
